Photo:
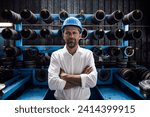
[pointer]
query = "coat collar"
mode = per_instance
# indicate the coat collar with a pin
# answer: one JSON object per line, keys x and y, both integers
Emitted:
{"x": 79, "y": 50}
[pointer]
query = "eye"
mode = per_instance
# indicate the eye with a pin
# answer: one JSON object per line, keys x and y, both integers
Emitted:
{"x": 67, "y": 33}
{"x": 74, "y": 33}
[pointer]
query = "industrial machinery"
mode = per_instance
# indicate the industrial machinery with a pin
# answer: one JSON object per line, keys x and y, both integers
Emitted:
{"x": 28, "y": 48}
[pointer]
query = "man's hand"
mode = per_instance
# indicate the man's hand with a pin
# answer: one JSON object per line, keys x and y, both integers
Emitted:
{"x": 62, "y": 74}
{"x": 87, "y": 70}
{"x": 71, "y": 80}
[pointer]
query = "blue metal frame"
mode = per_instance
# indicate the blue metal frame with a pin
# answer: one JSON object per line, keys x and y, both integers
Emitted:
{"x": 111, "y": 92}
{"x": 9, "y": 90}
{"x": 135, "y": 89}
{"x": 107, "y": 82}
{"x": 36, "y": 93}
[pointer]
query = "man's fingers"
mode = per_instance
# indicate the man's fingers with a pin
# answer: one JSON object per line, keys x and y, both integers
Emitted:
{"x": 88, "y": 70}
{"x": 85, "y": 68}
{"x": 61, "y": 74}
{"x": 61, "y": 70}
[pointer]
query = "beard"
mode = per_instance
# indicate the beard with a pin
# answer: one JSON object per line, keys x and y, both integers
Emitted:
{"x": 71, "y": 43}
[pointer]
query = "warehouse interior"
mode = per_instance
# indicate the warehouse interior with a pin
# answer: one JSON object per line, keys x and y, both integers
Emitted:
{"x": 117, "y": 31}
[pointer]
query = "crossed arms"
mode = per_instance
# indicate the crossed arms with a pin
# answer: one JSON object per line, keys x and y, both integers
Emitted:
{"x": 74, "y": 80}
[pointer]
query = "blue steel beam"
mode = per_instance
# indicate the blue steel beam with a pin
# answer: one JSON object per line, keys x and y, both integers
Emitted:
{"x": 6, "y": 92}
{"x": 9, "y": 82}
{"x": 110, "y": 92}
{"x": 135, "y": 89}
{"x": 36, "y": 93}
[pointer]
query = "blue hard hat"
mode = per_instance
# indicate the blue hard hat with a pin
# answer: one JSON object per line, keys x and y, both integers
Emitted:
{"x": 71, "y": 21}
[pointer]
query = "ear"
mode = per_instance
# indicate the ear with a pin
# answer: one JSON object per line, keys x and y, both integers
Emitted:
{"x": 62, "y": 34}
{"x": 80, "y": 35}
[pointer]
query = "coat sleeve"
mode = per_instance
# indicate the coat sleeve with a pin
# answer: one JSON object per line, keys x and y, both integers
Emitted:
{"x": 90, "y": 80}
{"x": 54, "y": 81}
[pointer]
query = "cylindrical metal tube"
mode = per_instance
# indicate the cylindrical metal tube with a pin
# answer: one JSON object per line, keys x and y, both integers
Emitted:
{"x": 59, "y": 33}
{"x": 114, "y": 51}
{"x": 41, "y": 75}
{"x": 97, "y": 52}
{"x": 11, "y": 16}
{"x": 144, "y": 86}
{"x": 129, "y": 75}
{"x": 133, "y": 16}
{"x": 12, "y": 51}
{"x": 98, "y": 34}
{"x": 30, "y": 63}
{"x": 28, "y": 34}
{"x": 32, "y": 52}
{"x": 104, "y": 75}
{"x": 45, "y": 33}
{"x": 115, "y": 17}
{"x": 81, "y": 17}
{"x": 6, "y": 73}
{"x": 11, "y": 34}
{"x": 84, "y": 33}
{"x": 63, "y": 15}
{"x": 129, "y": 51}
{"x": 116, "y": 34}
{"x": 46, "y": 16}
{"x": 29, "y": 16}
{"x": 98, "y": 16}
{"x": 121, "y": 62}
{"x": 133, "y": 34}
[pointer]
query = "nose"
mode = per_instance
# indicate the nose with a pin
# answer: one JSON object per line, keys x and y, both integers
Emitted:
{"x": 71, "y": 35}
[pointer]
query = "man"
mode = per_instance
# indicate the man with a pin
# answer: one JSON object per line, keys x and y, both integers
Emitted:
{"x": 72, "y": 71}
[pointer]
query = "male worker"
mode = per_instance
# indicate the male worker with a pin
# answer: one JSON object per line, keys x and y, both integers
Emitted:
{"x": 72, "y": 71}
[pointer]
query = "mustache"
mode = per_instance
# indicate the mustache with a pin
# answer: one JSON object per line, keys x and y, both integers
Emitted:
{"x": 71, "y": 43}
{"x": 71, "y": 40}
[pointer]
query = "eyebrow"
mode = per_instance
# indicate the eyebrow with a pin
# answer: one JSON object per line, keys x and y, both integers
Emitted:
{"x": 77, "y": 28}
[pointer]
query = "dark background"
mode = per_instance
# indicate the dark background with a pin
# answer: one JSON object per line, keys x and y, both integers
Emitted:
{"x": 90, "y": 6}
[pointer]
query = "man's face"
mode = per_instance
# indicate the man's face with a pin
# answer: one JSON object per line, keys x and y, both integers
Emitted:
{"x": 71, "y": 36}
